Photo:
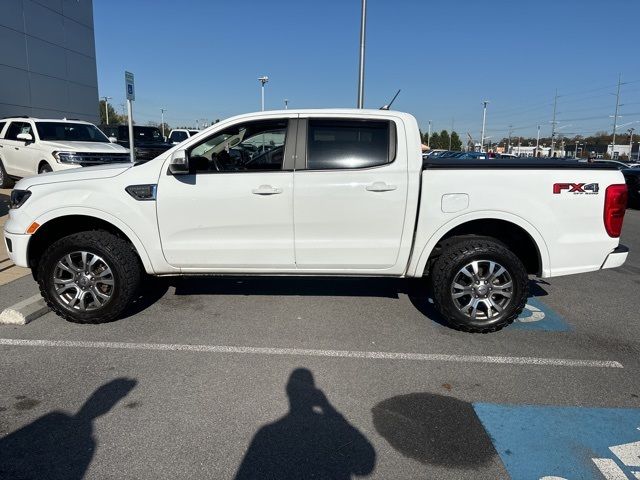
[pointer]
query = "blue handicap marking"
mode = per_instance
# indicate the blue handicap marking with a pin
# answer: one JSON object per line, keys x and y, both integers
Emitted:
{"x": 538, "y": 316}
{"x": 545, "y": 442}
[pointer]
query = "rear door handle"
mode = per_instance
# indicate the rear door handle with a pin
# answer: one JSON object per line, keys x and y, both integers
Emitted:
{"x": 266, "y": 190}
{"x": 380, "y": 187}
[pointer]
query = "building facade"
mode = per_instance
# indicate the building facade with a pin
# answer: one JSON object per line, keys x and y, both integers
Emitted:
{"x": 48, "y": 59}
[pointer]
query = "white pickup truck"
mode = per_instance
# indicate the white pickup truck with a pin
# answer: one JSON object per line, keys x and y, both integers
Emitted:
{"x": 317, "y": 192}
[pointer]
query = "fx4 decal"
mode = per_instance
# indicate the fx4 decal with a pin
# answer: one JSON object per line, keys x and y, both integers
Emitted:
{"x": 576, "y": 188}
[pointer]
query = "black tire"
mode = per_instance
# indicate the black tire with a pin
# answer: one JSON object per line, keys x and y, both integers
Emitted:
{"x": 5, "y": 181}
{"x": 118, "y": 255}
{"x": 455, "y": 255}
{"x": 45, "y": 168}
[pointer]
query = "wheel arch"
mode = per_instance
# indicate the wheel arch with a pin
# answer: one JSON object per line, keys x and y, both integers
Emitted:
{"x": 55, "y": 226}
{"x": 518, "y": 234}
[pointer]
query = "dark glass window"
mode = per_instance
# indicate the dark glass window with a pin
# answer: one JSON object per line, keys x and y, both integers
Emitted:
{"x": 66, "y": 131}
{"x": 178, "y": 136}
{"x": 252, "y": 146}
{"x": 16, "y": 128}
{"x": 340, "y": 144}
{"x": 2, "y": 124}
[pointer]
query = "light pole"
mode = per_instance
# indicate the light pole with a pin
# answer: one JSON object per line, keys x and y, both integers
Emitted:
{"x": 429, "y": 136}
{"x": 575, "y": 155}
{"x": 484, "y": 119}
{"x": 162, "y": 110}
{"x": 106, "y": 107}
{"x": 363, "y": 28}
{"x": 631, "y": 130}
{"x": 615, "y": 116}
{"x": 538, "y": 141}
{"x": 286, "y": 104}
{"x": 264, "y": 79}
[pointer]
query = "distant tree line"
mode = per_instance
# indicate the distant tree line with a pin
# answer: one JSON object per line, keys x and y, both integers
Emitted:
{"x": 443, "y": 140}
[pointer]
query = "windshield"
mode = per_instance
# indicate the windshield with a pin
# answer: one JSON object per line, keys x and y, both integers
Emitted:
{"x": 71, "y": 132}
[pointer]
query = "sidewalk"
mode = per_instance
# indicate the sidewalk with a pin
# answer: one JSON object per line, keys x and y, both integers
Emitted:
{"x": 8, "y": 271}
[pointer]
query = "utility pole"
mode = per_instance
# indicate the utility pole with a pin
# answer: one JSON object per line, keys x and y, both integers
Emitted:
{"x": 429, "y": 136}
{"x": 264, "y": 79}
{"x": 537, "y": 141}
{"x": 162, "y": 110}
{"x": 615, "y": 116}
{"x": 553, "y": 125}
{"x": 363, "y": 29}
{"x": 484, "y": 119}
{"x": 106, "y": 107}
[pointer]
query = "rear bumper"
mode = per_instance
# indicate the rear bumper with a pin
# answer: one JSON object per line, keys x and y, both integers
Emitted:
{"x": 617, "y": 257}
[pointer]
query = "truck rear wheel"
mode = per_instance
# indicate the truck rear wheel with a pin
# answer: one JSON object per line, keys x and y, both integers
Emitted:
{"x": 89, "y": 277}
{"x": 478, "y": 284}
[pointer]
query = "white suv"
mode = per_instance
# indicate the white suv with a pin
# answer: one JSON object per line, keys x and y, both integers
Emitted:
{"x": 29, "y": 146}
{"x": 178, "y": 135}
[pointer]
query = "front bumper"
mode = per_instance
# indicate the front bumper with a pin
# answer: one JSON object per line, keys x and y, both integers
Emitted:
{"x": 16, "y": 245}
{"x": 617, "y": 257}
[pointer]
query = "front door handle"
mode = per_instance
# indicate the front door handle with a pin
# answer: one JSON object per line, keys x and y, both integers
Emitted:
{"x": 266, "y": 190}
{"x": 380, "y": 187}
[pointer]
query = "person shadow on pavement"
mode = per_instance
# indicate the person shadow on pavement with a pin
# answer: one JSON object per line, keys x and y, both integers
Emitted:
{"x": 313, "y": 441}
{"x": 58, "y": 445}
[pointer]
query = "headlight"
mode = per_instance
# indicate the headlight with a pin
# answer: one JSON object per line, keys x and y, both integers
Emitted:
{"x": 18, "y": 197}
{"x": 67, "y": 157}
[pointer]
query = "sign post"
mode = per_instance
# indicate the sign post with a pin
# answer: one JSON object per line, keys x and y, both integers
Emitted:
{"x": 131, "y": 96}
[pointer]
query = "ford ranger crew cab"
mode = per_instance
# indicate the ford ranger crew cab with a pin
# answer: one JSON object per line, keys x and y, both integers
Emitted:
{"x": 317, "y": 192}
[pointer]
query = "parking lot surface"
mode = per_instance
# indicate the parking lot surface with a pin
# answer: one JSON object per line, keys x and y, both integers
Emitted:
{"x": 327, "y": 378}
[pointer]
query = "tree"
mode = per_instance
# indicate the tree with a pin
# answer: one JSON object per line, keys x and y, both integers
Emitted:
{"x": 444, "y": 140}
{"x": 434, "y": 142}
{"x": 456, "y": 143}
{"x": 114, "y": 118}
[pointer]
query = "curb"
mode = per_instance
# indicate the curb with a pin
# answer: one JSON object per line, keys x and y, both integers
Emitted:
{"x": 25, "y": 311}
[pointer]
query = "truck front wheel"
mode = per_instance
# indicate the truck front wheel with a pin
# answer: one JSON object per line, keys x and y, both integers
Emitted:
{"x": 89, "y": 277}
{"x": 478, "y": 284}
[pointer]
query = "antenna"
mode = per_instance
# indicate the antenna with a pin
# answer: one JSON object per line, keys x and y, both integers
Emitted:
{"x": 388, "y": 106}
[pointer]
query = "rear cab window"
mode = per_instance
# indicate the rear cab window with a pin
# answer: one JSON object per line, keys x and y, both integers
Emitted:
{"x": 349, "y": 144}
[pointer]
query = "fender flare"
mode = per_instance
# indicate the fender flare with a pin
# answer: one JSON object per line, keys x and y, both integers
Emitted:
{"x": 106, "y": 217}
{"x": 538, "y": 239}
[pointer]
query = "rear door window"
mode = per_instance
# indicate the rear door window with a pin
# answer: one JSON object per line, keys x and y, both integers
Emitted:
{"x": 2, "y": 124}
{"x": 347, "y": 144}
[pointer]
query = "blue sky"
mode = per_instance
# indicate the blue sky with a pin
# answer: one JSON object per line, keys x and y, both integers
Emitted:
{"x": 200, "y": 59}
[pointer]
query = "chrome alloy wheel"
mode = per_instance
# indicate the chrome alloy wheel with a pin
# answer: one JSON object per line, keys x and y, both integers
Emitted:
{"x": 83, "y": 281}
{"x": 482, "y": 289}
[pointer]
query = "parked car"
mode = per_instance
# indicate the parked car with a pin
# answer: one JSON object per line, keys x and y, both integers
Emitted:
{"x": 632, "y": 179}
{"x": 147, "y": 141}
{"x": 29, "y": 146}
{"x": 178, "y": 135}
{"x": 353, "y": 187}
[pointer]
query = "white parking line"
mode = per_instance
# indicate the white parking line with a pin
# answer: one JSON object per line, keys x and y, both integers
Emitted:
{"x": 424, "y": 357}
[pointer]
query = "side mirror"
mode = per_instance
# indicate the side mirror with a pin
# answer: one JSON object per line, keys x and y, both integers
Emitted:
{"x": 25, "y": 137}
{"x": 113, "y": 139}
{"x": 179, "y": 163}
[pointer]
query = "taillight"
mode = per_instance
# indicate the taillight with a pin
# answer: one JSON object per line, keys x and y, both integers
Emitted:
{"x": 615, "y": 204}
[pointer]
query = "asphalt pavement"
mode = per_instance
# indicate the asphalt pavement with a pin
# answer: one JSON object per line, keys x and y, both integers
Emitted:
{"x": 327, "y": 378}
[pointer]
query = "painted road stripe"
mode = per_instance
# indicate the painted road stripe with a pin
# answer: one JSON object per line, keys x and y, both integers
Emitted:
{"x": 425, "y": 357}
